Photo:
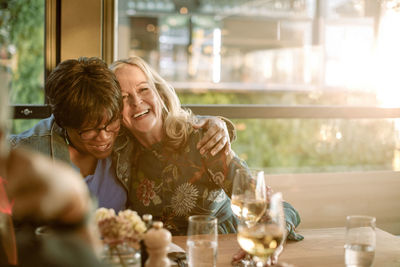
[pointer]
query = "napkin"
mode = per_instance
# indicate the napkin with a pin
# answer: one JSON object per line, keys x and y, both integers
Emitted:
{"x": 177, "y": 255}
{"x": 175, "y": 248}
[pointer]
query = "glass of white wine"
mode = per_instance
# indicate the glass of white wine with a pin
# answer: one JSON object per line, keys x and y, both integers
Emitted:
{"x": 249, "y": 200}
{"x": 249, "y": 196}
{"x": 262, "y": 238}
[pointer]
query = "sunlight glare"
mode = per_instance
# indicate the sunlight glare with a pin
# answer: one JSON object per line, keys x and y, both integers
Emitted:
{"x": 387, "y": 62}
{"x": 216, "y": 55}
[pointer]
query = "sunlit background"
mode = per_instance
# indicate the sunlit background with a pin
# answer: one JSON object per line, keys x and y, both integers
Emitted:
{"x": 269, "y": 52}
{"x": 306, "y": 46}
{"x": 280, "y": 52}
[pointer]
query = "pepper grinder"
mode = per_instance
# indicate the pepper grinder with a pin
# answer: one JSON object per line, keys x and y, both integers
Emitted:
{"x": 157, "y": 240}
{"x": 147, "y": 219}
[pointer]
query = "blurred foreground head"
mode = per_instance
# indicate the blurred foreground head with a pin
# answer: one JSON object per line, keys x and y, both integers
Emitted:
{"x": 42, "y": 190}
{"x": 39, "y": 186}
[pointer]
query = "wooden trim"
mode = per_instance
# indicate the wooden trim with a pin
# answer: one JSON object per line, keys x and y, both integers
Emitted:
{"x": 31, "y": 111}
{"x": 52, "y": 35}
{"x": 263, "y": 112}
{"x": 107, "y": 31}
{"x": 81, "y": 29}
{"x": 294, "y": 112}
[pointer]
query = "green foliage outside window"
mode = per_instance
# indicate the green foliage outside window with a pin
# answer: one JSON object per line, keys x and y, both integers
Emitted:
{"x": 307, "y": 145}
{"x": 22, "y": 47}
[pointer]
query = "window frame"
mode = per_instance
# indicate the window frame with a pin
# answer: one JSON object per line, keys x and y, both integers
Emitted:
{"x": 52, "y": 58}
{"x": 107, "y": 28}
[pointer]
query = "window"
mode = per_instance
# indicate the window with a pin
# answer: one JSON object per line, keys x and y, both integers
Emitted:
{"x": 277, "y": 54}
{"x": 319, "y": 70}
{"x": 22, "y": 54}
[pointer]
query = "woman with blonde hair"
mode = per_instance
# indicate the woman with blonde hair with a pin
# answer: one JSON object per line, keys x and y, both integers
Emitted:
{"x": 172, "y": 179}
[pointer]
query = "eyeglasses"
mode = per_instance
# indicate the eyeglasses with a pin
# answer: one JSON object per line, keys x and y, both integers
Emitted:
{"x": 112, "y": 126}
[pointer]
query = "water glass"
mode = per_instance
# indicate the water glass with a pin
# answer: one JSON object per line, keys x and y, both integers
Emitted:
{"x": 202, "y": 242}
{"x": 360, "y": 241}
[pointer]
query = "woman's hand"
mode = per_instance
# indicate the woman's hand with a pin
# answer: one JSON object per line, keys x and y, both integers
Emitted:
{"x": 238, "y": 256}
{"x": 274, "y": 257}
{"x": 216, "y": 138}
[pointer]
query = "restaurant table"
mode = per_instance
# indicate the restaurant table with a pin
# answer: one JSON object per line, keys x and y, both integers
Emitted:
{"x": 320, "y": 247}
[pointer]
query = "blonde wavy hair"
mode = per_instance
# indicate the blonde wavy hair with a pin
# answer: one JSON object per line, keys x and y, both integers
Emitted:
{"x": 177, "y": 122}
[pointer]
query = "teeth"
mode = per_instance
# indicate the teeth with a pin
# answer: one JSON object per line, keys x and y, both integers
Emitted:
{"x": 101, "y": 147}
{"x": 141, "y": 113}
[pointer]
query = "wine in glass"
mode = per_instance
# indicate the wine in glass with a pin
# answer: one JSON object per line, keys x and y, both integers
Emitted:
{"x": 249, "y": 199}
{"x": 249, "y": 196}
{"x": 262, "y": 238}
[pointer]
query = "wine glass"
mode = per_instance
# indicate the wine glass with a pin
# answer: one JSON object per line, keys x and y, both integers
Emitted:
{"x": 262, "y": 238}
{"x": 249, "y": 196}
{"x": 249, "y": 199}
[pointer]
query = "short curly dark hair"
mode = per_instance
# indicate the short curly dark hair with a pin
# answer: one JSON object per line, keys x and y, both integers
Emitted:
{"x": 82, "y": 91}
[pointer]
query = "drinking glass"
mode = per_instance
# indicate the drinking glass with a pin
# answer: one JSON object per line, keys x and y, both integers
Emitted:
{"x": 360, "y": 241}
{"x": 249, "y": 196}
{"x": 202, "y": 241}
{"x": 262, "y": 238}
{"x": 249, "y": 199}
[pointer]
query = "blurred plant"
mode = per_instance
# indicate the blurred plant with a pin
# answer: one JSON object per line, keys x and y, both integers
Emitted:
{"x": 120, "y": 232}
{"x": 127, "y": 226}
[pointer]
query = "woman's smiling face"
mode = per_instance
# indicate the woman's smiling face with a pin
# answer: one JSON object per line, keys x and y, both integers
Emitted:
{"x": 142, "y": 111}
{"x": 100, "y": 144}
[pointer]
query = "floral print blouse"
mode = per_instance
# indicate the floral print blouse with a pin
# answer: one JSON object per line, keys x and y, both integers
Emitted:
{"x": 173, "y": 185}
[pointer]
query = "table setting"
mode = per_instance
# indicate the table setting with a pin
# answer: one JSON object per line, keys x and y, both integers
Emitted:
{"x": 261, "y": 233}
{"x": 320, "y": 247}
